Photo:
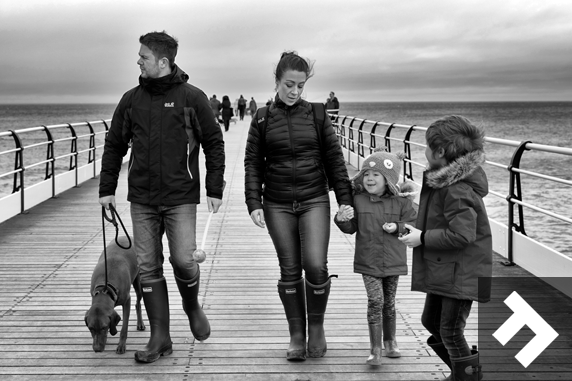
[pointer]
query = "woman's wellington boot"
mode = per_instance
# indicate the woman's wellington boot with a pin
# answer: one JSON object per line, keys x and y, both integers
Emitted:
{"x": 294, "y": 302}
{"x": 439, "y": 348}
{"x": 389, "y": 341}
{"x": 467, "y": 368}
{"x": 156, "y": 298}
{"x": 189, "y": 290}
{"x": 317, "y": 301}
{"x": 375, "y": 345}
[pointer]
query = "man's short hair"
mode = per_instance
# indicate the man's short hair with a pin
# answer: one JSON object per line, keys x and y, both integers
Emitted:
{"x": 162, "y": 45}
{"x": 456, "y": 135}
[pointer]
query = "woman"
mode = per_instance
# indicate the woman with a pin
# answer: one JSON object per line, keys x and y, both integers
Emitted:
{"x": 288, "y": 170}
{"x": 226, "y": 112}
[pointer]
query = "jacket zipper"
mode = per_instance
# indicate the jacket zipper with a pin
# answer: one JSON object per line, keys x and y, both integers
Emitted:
{"x": 294, "y": 162}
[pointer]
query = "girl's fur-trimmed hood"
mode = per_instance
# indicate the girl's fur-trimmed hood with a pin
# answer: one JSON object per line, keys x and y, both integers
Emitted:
{"x": 466, "y": 168}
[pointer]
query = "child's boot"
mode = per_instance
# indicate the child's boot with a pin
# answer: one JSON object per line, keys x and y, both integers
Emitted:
{"x": 375, "y": 345}
{"x": 439, "y": 348}
{"x": 467, "y": 368}
{"x": 389, "y": 341}
{"x": 294, "y": 302}
{"x": 317, "y": 299}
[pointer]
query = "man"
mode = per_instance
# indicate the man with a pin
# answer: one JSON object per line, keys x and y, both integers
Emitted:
{"x": 164, "y": 120}
{"x": 216, "y": 106}
{"x": 332, "y": 104}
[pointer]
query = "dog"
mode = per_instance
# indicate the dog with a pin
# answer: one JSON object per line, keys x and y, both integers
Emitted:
{"x": 122, "y": 272}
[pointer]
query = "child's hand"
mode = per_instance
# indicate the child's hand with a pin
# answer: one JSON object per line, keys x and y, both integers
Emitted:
{"x": 413, "y": 239}
{"x": 345, "y": 213}
{"x": 390, "y": 227}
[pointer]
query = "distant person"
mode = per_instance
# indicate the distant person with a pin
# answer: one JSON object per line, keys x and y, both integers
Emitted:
{"x": 332, "y": 104}
{"x": 241, "y": 107}
{"x": 289, "y": 169}
{"x": 452, "y": 255}
{"x": 252, "y": 106}
{"x": 269, "y": 102}
{"x": 216, "y": 106}
{"x": 381, "y": 209}
{"x": 227, "y": 112}
{"x": 164, "y": 120}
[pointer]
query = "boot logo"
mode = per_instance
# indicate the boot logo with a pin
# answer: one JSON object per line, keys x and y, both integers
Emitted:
{"x": 147, "y": 289}
{"x": 319, "y": 292}
{"x": 290, "y": 291}
{"x": 192, "y": 284}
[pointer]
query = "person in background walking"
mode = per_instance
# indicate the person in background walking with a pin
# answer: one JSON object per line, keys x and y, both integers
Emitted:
{"x": 164, "y": 120}
{"x": 252, "y": 106}
{"x": 332, "y": 103}
{"x": 289, "y": 167}
{"x": 241, "y": 107}
{"x": 216, "y": 106}
{"x": 452, "y": 241}
{"x": 382, "y": 207}
{"x": 227, "y": 112}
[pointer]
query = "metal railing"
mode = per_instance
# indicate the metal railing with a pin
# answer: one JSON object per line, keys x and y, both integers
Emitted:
{"x": 352, "y": 131}
{"x": 25, "y": 155}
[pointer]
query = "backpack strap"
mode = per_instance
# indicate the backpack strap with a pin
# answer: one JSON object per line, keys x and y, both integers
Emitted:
{"x": 319, "y": 112}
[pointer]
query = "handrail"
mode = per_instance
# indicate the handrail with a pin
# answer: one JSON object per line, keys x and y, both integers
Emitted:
{"x": 26, "y": 142}
{"x": 513, "y": 198}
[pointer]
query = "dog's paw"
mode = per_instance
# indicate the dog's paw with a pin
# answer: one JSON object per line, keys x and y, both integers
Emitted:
{"x": 120, "y": 349}
{"x": 141, "y": 327}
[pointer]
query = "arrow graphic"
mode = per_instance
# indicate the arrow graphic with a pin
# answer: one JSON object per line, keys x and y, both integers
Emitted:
{"x": 523, "y": 315}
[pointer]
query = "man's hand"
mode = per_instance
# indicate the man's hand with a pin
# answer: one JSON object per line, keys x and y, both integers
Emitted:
{"x": 213, "y": 204}
{"x": 105, "y": 201}
{"x": 258, "y": 218}
{"x": 413, "y": 239}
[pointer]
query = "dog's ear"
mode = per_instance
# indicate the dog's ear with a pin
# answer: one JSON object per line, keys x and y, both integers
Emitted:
{"x": 115, "y": 319}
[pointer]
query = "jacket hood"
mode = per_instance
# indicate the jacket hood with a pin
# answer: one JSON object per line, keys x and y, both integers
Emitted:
{"x": 163, "y": 84}
{"x": 466, "y": 168}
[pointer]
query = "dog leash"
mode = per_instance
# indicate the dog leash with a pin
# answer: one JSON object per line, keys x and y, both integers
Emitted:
{"x": 114, "y": 222}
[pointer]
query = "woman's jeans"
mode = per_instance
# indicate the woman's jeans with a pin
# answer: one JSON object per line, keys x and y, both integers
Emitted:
{"x": 149, "y": 224}
{"x": 445, "y": 318}
{"x": 301, "y": 234}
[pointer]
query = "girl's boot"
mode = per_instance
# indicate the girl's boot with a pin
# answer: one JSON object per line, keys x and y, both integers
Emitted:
{"x": 189, "y": 290}
{"x": 317, "y": 300}
{"x": 439, "y": 348}
{"x": 156, "y": 298}
{"x": 294, "y": 302}
{"x": 389, "y": 341}
{"x": 375, "y": 345}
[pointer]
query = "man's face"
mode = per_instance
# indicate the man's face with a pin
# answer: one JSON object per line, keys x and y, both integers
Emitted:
{"x": 148, "y": 63}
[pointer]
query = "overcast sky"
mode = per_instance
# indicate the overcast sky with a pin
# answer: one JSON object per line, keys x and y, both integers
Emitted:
{"x": 376, "y": 50}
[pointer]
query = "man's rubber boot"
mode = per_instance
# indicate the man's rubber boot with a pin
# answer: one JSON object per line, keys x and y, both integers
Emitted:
{"x": 156, "y": 299}
{"x": 189, "y": 290}
{"x": 389, "y": 341}
{"x": 467, "y": 368}
{"x": 294, "y": 302}
{"x": 317, "y": 301}
{"x": 439, "y": 348}
{"x": 375, "y": 334}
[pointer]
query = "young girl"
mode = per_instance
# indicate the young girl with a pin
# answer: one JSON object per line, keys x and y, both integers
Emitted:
{"x": 381, "y": 210}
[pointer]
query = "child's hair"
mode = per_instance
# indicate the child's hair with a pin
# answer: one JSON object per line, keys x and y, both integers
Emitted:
{"x": 456, "y": 135}
{"x": 292, "y": 61}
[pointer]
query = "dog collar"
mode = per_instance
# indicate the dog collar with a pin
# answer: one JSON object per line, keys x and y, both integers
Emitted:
{"x": 108, "y": 289}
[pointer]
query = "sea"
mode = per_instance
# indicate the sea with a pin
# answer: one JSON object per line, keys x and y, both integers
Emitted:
{"x": 547, "y": 123}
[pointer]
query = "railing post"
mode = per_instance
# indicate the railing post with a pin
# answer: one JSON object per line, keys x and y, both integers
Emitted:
{"x": 51, "y": 160}
{"x": 19, "y": 165}
{"x": 73, "y": 149}
{"x": 91, "y": 152}
{"x": 351, "y": 147}
{"x": 342, "y": 128}
{"x": 372, "y": 140}
{"x": 386, "y": 139}
{"x": 407, "y": 167}
{"x": 515, "y": 193}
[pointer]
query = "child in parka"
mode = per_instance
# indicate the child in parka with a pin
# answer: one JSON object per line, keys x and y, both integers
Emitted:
{"x": 452, "y": 255}
{"x": 381, "y": 209}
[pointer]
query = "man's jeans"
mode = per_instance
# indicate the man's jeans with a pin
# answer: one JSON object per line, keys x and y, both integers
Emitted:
{"x": 149, "y": 224}
{"x": 445, "y": 318}
{"x": 301, "y": 234}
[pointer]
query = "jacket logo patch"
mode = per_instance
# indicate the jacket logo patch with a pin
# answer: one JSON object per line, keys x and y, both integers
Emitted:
{"x": 170, "y": 104}
{"x": 260, "y": 120}
{"x": 147, "y": 289}
{"x": 319, "y": 292}
{"x": 290, "y": 291}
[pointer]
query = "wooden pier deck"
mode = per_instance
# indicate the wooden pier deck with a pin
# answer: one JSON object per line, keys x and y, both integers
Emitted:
{"x": 47, "y": 257}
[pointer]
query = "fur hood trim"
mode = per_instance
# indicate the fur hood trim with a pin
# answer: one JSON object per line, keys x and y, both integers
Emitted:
{"x": 456, "y": 171}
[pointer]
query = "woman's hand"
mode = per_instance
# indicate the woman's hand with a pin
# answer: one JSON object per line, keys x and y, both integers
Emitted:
{"x": 413, "y": 238}
{"x": 345, "y": 213}
{"x": 258, "y": 218}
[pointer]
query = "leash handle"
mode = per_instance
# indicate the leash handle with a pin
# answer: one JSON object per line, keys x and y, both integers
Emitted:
{"x": 114, "y": 214}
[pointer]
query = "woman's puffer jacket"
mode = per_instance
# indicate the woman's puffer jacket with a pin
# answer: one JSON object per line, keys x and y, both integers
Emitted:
{"x": 288, "y": 165}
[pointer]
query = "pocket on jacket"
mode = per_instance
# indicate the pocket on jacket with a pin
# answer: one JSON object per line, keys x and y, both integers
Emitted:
{"x": 440, "y": 273}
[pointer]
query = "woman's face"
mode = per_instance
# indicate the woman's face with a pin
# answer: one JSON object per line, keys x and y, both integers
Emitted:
{"x": 291, "y": 86}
